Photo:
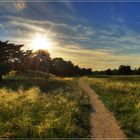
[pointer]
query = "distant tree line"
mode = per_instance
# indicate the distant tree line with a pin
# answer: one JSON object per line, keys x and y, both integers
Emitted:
{"x": 12, "y": 57}
{"x": 122, "y": 70}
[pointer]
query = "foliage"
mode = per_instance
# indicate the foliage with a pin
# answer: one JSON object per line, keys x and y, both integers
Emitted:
{"x": 61, "y": 67}
{"x": 122, "y": 96}
{"x": 21, "y": 64}
{"x": 124, "y": 70}
{"x": 11, "y": 53}
{"x": 4, "y": 68}
{"x": 67, "y": 68}
{"x": 40, "y": 61}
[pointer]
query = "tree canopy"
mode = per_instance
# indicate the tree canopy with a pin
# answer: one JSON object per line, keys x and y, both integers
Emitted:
{"x": 11, "y": 53}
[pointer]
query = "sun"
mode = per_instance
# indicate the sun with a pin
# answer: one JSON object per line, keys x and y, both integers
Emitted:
{"x": 41, "y": 42}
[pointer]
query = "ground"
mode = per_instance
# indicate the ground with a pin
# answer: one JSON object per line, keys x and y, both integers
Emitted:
{"x": 103, "y": 123}
{"x": 41, "y": 105}
{"x": 121, "y": 95}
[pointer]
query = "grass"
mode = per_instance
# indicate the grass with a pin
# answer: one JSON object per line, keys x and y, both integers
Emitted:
{"x": 42, "y": 106}
{"x": 121, "y": 95}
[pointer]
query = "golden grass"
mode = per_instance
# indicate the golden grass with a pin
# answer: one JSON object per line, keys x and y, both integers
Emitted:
{"x": 121, "y": 96}
{"x": 33, "y": 113}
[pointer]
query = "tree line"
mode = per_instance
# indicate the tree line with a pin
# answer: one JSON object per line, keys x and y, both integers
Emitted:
{"x": 122, "y": 70}
{"x": 12, "y": 57}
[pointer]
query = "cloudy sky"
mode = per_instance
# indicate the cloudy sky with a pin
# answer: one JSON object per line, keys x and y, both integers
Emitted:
{"x": 100, "y": 35}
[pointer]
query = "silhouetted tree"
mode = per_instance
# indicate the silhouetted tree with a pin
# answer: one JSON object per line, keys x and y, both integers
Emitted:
{"x": 63, "y": 68}
{"x": 138, "y": 71}
{"x": 108, "y": 72}
{"x": 12, "y": 57}
{"x": 77, "y": 70}
{"x": 114, "y": 72}
{"x": 67, "y": 68}
{"x": 40, "y": 61}
{"x": 21, "y": 64}
{"x": 9, "y": 52}
{"x": 124, "y": 70}
{"x": 89, "y": 71}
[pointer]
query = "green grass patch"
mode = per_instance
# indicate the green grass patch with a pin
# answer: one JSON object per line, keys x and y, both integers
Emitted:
{"x": 42, "y": 107}
{"x": 121, "y": 95}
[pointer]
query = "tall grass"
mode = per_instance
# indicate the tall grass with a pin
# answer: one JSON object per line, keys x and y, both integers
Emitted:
{"x": 122, "y": 96}
{"x": 37, "y": 114}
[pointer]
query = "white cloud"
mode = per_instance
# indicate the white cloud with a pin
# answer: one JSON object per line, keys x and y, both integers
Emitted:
{"x": 1, "y": 26}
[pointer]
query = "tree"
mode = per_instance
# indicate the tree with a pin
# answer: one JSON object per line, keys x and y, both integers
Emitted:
{"x": 114, "y": 72}
{"x": 138, "y": 71}
{"x": 9, "y": 52}
{"x": 108, "y": 72}
{"x": 77, "y": 70}
{"x": 62, "y": 67}
{"x": 67, "y": 68}
{"x": 40, "y": 61}
{"x": 124, "y": 70}
{"x": 21, "y": 64}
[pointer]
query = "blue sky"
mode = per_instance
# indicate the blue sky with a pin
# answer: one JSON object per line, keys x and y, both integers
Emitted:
{"x": 100, "y": 35}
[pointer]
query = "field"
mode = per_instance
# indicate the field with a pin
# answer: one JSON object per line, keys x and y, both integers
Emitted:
{"x": 41, "y": 105}
{"x": 121, "y": 95}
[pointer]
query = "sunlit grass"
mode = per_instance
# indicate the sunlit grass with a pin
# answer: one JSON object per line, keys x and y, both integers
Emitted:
{"x": 33, "y": 112}
{"x": 122, "y": 96}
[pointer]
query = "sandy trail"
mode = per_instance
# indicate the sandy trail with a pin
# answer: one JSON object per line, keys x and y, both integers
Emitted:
{"x": 103, "y": 123}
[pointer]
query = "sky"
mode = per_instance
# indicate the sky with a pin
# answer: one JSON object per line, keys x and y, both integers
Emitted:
{"x": 93, "y": 34}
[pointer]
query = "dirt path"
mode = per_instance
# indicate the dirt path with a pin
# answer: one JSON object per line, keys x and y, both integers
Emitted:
{"x": 103, "y": 123}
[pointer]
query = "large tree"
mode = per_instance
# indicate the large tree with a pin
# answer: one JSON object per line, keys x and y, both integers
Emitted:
{"x": 9, "y": 52}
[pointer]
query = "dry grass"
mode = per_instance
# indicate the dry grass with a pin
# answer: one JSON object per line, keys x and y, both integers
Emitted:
{"x": 33, "y": 112}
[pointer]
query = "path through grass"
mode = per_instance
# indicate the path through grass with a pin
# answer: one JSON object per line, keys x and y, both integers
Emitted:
{"x": 122, "y": 96}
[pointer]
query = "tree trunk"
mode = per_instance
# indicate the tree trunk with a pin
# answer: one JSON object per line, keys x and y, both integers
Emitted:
{"x": 0, "y": 77}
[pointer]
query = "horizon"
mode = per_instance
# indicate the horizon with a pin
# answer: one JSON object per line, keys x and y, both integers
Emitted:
{"x": 97, "y": 35}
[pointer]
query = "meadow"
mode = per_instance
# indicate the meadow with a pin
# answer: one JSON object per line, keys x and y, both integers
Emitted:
{"x": 38, "y": 105}
{"x": 121, "y": 95}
